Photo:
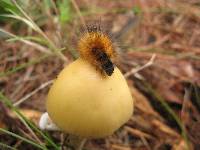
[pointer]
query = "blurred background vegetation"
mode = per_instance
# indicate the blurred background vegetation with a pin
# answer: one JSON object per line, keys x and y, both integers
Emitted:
{"x": 39, "y": 37}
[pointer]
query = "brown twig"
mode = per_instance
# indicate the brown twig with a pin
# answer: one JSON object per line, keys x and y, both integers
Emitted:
{"x": 135, "y": 70}
{"x": 33, "y": 92}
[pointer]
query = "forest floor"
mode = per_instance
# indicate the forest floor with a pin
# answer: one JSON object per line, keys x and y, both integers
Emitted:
{"x": 163, "y": 35}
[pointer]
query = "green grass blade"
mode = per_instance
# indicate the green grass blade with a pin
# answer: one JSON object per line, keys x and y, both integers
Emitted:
{"x": 23, "y": 139}
{"x": 65, "y": 11}
{"x": 30, "y": 38}
{"x": 48, "y": 139}
{"x": 23, "y": 66}
{"x": 5, "y": 146}
{"x": 6, "y": 6}
{"x": 26, "y": 21}
{"x": 8, "y": 103}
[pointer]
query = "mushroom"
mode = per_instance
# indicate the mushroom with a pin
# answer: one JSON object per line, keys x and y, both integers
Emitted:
{"x": 82, "y": 102}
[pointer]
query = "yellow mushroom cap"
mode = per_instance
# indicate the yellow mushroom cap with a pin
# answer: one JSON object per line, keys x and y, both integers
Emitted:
{"x": 83, "y": 103}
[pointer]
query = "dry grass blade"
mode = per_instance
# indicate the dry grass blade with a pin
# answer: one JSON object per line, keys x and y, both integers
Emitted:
{"x": 135, "y": 70}
{"x": 32, "y": 93}
{"x": 30, "y": 43}
{"x": 79, "y": 12}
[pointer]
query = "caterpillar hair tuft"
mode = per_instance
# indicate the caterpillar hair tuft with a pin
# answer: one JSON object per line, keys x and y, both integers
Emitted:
{"x": 96, "y": 47}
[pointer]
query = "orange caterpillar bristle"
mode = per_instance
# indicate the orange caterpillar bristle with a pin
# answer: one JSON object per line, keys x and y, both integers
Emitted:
{"x": 97, "y": 48}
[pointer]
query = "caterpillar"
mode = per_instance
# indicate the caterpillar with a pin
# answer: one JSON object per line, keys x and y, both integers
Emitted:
{"x": 96, "y": 47}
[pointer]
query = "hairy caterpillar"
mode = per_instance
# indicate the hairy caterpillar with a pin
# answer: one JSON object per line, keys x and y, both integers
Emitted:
{"x": 96, "y": 47}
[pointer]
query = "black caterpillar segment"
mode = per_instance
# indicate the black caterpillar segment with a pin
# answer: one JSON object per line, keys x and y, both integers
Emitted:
{"x": 104, "y": 60}
{"x": 108, "y": 68}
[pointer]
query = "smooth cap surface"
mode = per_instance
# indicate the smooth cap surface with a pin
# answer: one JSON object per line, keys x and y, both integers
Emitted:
{"x": 82, "y": 102}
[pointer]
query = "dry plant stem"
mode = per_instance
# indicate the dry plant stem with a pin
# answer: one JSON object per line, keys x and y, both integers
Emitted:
{"x": 37, "y": 46}
{"x": 62, "y": 140}
{"x": 81, "y": 145}
{"x": 135, "y": 70}
{"x": 30, "y": 43}
{"x": 186, "y": 99}
{"x": 144, "y": 141}
{"x": 76, "y": 142}
{"x": 33, "y": 92}
{"x": 54, "y": 7}
{"x": 79, "y": 12}
{"x": 143, "y": 136}
{"x": 27, "y": 135}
